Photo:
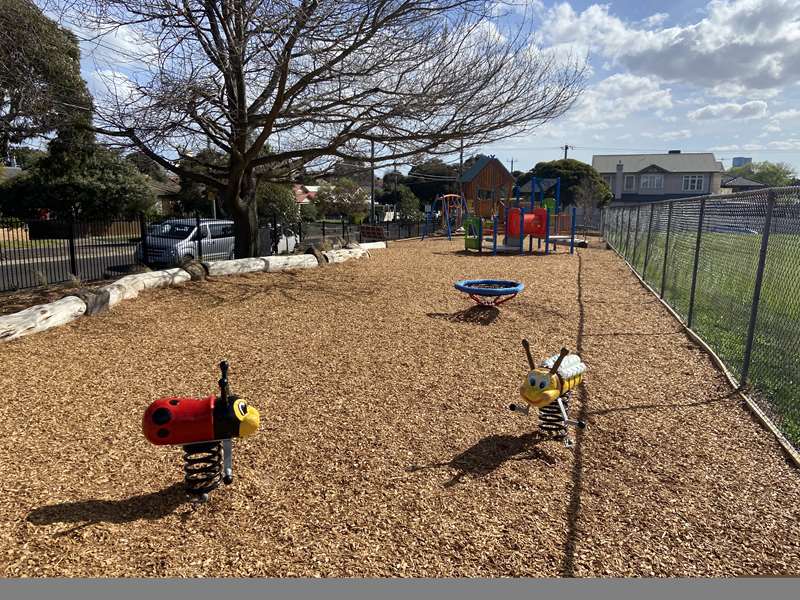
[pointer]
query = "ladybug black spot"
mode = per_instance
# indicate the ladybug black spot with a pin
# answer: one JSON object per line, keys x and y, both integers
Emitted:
{"x": 174, "y": 402}
{"x": 161, "y": 416}
{"x": 162, "y": 433}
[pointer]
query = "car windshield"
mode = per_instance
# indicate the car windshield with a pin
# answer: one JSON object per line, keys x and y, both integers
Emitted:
{"x": 175, "y": 231}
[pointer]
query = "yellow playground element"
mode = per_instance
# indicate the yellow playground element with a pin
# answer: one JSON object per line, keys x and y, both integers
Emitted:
{"x": 549, "y": 387}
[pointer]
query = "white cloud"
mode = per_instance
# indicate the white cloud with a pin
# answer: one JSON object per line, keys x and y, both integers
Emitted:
{"x": 655, "y": 20}
{"x": 683, "y": 134}
{"x": 756, "y": 109}
{"x": 618, "y": 96}
{"x": 748, "y": 43}
{"x": 792, "y": 113}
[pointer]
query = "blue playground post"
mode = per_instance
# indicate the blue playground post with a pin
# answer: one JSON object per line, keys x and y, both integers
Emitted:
{"x": 446, "y": 212}
{"x": 558, "y": 194}
{"x": 572, "y": 236}
{"x": 547, "y": 232}
{"x": 480, "y": 234}
{"x": 533, "y": 193}
{"x": 494, "y": 236}
{"x": 521, "y": 230}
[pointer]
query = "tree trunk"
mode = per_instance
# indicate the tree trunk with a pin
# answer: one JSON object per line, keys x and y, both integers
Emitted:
{"x": 240, "y": 201}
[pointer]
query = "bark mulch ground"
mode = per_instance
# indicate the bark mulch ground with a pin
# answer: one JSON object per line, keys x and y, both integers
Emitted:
{"x": 386, "y": 446}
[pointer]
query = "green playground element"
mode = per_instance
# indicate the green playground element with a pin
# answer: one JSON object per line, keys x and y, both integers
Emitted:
{"x": 550, "y": 204}
{"x": 473, "y": 233}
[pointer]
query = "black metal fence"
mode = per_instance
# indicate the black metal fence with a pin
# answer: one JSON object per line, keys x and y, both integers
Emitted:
{"x": 730, "y": 268}
{"x": 44, "y": 252}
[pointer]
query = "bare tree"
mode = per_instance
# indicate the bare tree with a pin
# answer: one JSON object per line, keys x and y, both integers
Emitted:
{"x": 278, "y": 84}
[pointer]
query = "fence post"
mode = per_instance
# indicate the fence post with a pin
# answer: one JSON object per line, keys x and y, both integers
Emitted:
{"x": 603, "y": 223}
{"x": 198, "y": 236}
{"x": 636, "y": 237}
{"x": 647, "y": 245}
{"x": 666, "y": 251}
{"x": 73, "y": 260}
{"x": 762, "y": 260}
{"x": 300, "y": 230}
{"x": 143, "y": 233}
{"x": 696, "y": 261}
{"x": 628, "y": 233}
{"x": 323, "y": 229}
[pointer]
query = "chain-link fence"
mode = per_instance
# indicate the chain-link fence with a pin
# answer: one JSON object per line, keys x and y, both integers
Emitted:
{"x": 730, "y": 268}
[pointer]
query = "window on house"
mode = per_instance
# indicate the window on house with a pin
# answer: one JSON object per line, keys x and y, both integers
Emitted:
{"x": 693, "y": 183}
{"x": 609, "y": 179}
{"x": 651, "y": 182}
{"x": 630, "y": 183}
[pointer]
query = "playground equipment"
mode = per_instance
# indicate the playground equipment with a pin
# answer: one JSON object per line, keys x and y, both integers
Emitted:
{"x": 540, "y": 219}
{"x": 549, "y": 389}
{"x": 453, "y": 212}
{"x": 489, "y": 292}
{"x": 205, "y": 428}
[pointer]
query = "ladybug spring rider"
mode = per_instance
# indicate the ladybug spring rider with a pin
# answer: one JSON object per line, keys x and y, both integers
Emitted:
{"x": 205, "y": 428}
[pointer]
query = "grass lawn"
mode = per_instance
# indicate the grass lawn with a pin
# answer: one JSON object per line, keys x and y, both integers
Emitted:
{"x": 724, "y": 292}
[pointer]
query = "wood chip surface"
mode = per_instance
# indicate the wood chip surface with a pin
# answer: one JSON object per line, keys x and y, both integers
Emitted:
{"x": 386, "y": 446}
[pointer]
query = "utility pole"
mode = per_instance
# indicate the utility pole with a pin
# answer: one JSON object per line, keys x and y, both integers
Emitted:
{"x": 512, "y": 166}
{"x": 396, "y": 177}
{"x": 567, "y": 147}
{"x": 461, "y": 169}
{"x": 372, "y": 183}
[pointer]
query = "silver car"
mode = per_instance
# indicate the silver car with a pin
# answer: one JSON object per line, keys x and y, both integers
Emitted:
{"x": 176, "y": 241}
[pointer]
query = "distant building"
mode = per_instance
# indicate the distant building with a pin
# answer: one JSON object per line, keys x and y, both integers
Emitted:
{"x": 649, "y": 177}
{"x": 740, "y": 161}
{"x": 304, "y": 194}
{"x": 731, "y": 185}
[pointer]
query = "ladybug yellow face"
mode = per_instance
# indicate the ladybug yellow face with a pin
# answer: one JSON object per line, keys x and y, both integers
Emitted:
{"x": 248, "y": 417}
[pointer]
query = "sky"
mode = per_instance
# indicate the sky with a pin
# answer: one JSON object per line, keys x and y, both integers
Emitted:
{"x": 720, "y": 76}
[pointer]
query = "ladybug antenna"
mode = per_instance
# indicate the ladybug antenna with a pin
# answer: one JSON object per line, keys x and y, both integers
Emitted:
{"x": 224, "y": 388}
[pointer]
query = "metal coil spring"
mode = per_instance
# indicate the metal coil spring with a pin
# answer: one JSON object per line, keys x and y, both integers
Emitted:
{"x": 202, "y": 468}
{"x": 550, "y": 419}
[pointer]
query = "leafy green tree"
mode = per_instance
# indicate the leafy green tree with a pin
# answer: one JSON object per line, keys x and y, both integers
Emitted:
{"x": 41, "y": 88}
{"x": 195, "y": 197}
{"x": 81, "y": 179}
{"x": 145, "y": 164}
{"x": 308, "y": 212}
{"x": 580, "y": 183}
{"x": 345, "y": 198}
{"x": 408, "y": 205}
{"x": 769, "y": 173}
{"x": 276, "y": 200}
{"x": 431, "y": 178}
{"x": 26, "y": 157}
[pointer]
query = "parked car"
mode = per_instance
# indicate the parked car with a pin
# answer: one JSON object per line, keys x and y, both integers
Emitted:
{"x": 175, "y": 241}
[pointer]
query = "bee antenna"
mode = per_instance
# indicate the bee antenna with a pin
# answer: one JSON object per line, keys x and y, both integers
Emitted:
{"x": 527, "y": 347}
{"x": 561, "y": 357}
{"x": 223, "y": 382}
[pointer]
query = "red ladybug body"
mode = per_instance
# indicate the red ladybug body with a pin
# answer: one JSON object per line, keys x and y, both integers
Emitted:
{"x": 179, "y": 421}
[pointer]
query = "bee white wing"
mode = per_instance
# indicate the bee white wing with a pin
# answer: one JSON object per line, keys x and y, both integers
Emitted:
{"x": 571, "y": 366}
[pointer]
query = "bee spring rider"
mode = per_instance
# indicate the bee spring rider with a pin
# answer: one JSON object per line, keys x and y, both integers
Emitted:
{"x": 549, "y": 389}
{"x": 205, "y": 428}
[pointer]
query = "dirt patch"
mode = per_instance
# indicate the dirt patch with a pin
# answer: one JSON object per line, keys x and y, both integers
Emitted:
{"x": 386, "y": 446}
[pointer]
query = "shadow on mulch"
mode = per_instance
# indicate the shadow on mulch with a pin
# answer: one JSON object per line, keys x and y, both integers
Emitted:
{"x": 152, "y": 506}
{"x": 489, "y": 454}
{"x": 478, "y": 314}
